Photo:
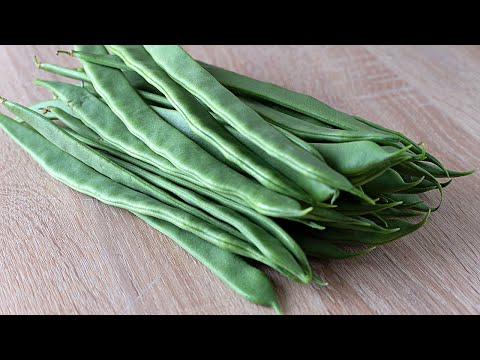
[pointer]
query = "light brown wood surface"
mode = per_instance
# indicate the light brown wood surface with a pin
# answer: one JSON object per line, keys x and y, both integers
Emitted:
{"x": 64, "y": 253}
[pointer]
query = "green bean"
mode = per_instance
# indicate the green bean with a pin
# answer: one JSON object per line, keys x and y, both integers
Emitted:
{"x": 389, "y": 182}
{"x": 364, "y": 224}
{"x": 287, "y": 98}
{"x": 369, "y": 239}
{"x": 75, "y": 124}
{"x": 43, "y": 107}
{"x": 424, "y": 186}
{"x": 251, "y": 232}
{"x": 405, "y": 140}
{"x": 105, "y": 166}
{"x": 310, "y": 223}
{"x": 411, "y": 168}
{"x": 108, "y": 60}
{"x": 237, "y": 274}
{"x": 105, "y": 189}
{"x": 134, "y": 79}
{"x": 356, "y": 158}
{"x": 399, "y": 213}
{"x": 131, "y": 77}
{"x": 318, "y": 192}
{"x": 213, "y": 136}
{"x": 60, "y": 70}
{"x": 332, "y": 218}
{"x": 77, "y": 175}
{"x": 308, "y": 131}
{"x": 205, "y": 126}
{"x": 168, "y": 142}
{"x": 410, "y": 201}
{"x": 300, "y": 142}
{"x": 258, "y": 236}
{"x": 111, "y": 128}
{"x": 244, "y": 279}
{"x": 146, "y": 91}
{"x": 175, "y": 119}
{"x": 439, "y": 173}
{"x": 424, "y": 183}
{"x": 358, "y": 209}
{"x": 325, "y": 250}
{"x": 156, "y": 99}
{"x": 420, "y": 189}
{"x": 263, "y": 221}
{"x": 291, "y": 112}
{"x": 378, "y": 170}
{"x": 184, "y": 70}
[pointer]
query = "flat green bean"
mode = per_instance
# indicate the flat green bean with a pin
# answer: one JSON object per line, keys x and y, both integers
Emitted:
{"x": 244, "y": 279}
{"x": 358, "y": 157}
{"x": 203, "y": 124}
{"x": 325, "y": 250}
{"x": 287, "y": 98}
{"x": 439, "y": 173}
{"x": 318, "y": 192}
{"x": 354, "y": 237}
{"x": 261, "y": 220}
{"x": 251, "y": 232}
{"x": 77, "y": 175}
{"x": 358, "y": 209}
{"x": 410, "y": 201}
{"x": 303, "y": 104}
{"x": 184, "y": 70}
{"x": 313, "y": 132}
{"x": 168, "y": 142}
{"x": 254, "y": 233}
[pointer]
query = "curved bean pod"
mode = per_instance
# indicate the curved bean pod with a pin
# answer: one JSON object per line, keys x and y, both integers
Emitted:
{"x": 75, "y": 124}
{"x": 106, "y": 167}
{"x": 250, "y": 232}
{"x": 184, "y": 70}
{"x": 318, "y": 192}
{"x": 287, "y": 98}
{"x": 410, "y": 201}
{"x": 358, "y": 209}
{"x": 326, "y": 250}
{"x": 261, "y": 220}
{"x": 369, "y": 239}
{"x": 253, "y": 233}
{"x": 168, "y": 142}
{"x": 313, "y": 132}
{"x": 77, "y": 175}
{"x": 439, "y": 173}
{"x": 356, "y": 158}
{"x": 244, "y": 279}
{"x": 267, "y": 245}
{"x": 204, "y": 125}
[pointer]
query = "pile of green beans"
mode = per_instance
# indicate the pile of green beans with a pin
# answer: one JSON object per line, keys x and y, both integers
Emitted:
{"x": 229, "y": 167}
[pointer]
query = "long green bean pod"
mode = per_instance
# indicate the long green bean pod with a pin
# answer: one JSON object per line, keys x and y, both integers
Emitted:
{"x": 168, "y": 142}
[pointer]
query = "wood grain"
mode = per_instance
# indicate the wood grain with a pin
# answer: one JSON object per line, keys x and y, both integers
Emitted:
{"x": 64, "y": 253}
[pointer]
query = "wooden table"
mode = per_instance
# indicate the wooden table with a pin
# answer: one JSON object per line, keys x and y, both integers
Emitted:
{"x": 64, "y": 253}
